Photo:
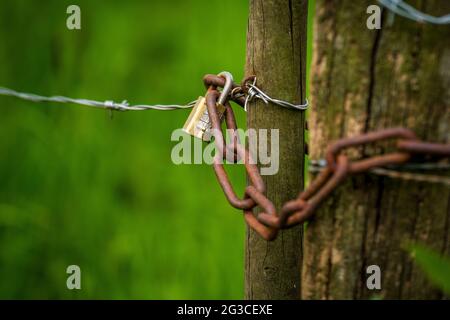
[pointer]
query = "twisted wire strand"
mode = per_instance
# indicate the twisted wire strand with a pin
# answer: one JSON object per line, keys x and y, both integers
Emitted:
{"x": 399, "y": 171}
{"x": 255, "y": 92}
{"x": 411, "y": 176}
{"x": 403, "y": 9}
{"x": 111, "y": 105}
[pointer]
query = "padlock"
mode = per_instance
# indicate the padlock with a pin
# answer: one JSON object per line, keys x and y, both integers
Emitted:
{"x": 198, "y": 123}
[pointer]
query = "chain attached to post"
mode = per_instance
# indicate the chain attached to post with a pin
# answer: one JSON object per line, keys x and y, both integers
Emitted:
{"x": 333, "y": 171}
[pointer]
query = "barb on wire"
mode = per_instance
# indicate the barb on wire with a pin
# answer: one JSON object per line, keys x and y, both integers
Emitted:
{"x": 403, "y": 9}
{"x": 111, "y": 105}
{"x": 255, "y": 92}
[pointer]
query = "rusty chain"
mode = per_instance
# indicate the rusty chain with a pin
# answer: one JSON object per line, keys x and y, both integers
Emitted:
{"x": 338, "y": 166}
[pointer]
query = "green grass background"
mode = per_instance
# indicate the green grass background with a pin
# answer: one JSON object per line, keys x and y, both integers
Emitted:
{"x": 80, "y": 187}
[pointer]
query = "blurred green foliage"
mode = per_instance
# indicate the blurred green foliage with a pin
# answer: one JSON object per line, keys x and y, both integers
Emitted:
{"x": 78, "y": 186}
{"x": 434, "y": 264}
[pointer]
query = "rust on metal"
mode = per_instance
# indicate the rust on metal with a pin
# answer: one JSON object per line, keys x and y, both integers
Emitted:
{"x": 420, "y": 147}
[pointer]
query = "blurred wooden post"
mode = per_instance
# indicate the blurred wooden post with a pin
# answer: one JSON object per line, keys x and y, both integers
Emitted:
{"x": 363, "y": 80}
{"x": 276, "y": 54}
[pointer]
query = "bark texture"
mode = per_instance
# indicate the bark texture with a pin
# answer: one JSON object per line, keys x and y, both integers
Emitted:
{"x": 363, "y": 80}
{"x": 276, "y": 54}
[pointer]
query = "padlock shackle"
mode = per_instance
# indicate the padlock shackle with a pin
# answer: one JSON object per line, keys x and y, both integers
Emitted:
{"x": 226, "y": 88}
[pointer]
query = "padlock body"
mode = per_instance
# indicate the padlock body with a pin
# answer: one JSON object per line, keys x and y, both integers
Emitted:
{"x": 198, "y": 123}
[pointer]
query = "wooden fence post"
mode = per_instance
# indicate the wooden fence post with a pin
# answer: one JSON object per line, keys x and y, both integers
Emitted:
{"x": 363, "y": 80}
{"x": 276, "y": 54}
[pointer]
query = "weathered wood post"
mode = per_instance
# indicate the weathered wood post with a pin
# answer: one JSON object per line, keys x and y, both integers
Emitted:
{"x": 276, "y": 54}
{"x": 363, "y": 80}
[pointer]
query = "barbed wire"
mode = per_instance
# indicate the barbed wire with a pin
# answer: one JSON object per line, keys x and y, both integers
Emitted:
{"x": 403, "y": 9}
{"x": 111, "y": 105}
{"x": 419, "y": 177}
{"x": 255, "y": 92}
{"x": 252, "y": 91}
